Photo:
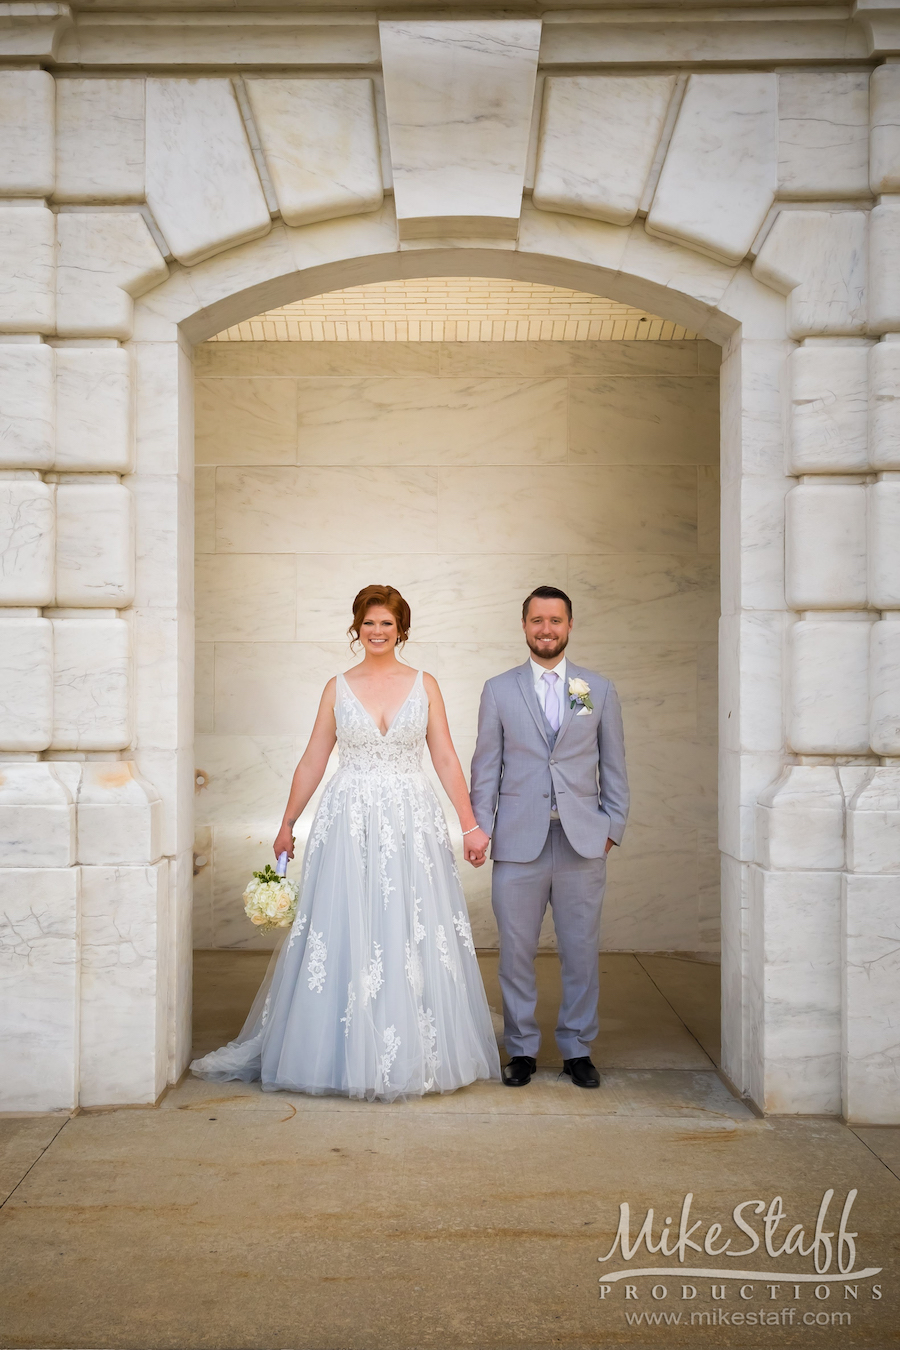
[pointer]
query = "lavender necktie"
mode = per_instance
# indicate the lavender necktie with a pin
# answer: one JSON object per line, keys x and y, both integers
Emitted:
{"x": 551, "y": 699}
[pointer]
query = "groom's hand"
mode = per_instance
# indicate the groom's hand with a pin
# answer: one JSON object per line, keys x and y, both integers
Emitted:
{"x": 476, "y": 847}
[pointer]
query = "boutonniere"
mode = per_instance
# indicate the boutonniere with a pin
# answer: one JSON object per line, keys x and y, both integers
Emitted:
{"x": 580, "y": 692}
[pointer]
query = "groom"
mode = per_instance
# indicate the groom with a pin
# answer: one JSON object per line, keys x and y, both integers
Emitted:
{"x": 549, "y": 786}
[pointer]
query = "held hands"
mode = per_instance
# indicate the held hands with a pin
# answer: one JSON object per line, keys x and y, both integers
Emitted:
{"x": 475, "y": 845}
{"x": 284, "y": 842}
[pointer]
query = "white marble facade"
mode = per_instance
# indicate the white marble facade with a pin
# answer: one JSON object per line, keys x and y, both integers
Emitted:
{"x": 464, "y": 474}
{"x": 151, "y": 195}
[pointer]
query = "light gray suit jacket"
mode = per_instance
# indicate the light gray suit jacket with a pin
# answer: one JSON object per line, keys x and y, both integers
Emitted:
{"x": 514, "y": 769}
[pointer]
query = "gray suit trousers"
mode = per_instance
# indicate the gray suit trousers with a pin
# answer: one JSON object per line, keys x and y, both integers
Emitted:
{"x": 520, "y": 892}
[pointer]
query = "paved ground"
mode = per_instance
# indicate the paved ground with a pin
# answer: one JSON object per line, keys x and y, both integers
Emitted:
{"x": 228, "y": 1217}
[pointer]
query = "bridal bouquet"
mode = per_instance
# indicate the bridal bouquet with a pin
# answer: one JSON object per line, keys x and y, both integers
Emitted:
{"x": 270, "y": 900}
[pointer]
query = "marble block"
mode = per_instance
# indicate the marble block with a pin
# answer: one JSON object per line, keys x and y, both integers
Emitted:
{"x": 243, "y": 597}
{"x": 99, "y": 140}
{"x": 164, "y": 397}
{"x": 93, "y": 409}
{"x": 884, "y": 544}
{"x": 751, "y": 712}
{"x": 829, "y": 408}
{"x": 459, "y": 95}
{"x": 884, "y": 266}
{"x": 37, "y": 817}
{"x": 627, "y": 420}
{"x": 823, "y": 134}
{"x": 598, "y": 138}
{"x": 245, "y": 421}
{"x": 795, "y": 983}
{"x": 27, "y": 540}
{"x": 884, "y": 137}
{"x": 818, "y": 259}
{"x": 884, "y": 404}
{"x": 26, "y": 684}
{"x": 719, "y": 175}
{"x": 829, "y": 704}
{"x": 800, "y": 820}
{"x": 202, "y": 184}
{"x": 94, "y": 545}
{"x": 884, "y": 678}
{"x": 873, "y": 823}
{"x": 39, "y": 987}
{"x": 26, "y": 133}
{"x": 91, "y": 684}
{"x": 124, "y": 967}
{"x": 871, "y": 999}
{"x": 28, "y": 250}
{"x": 105, "y": 258}
{"x": 825, "y": 546}
{"x": 320, "y": 140}
{"x": 27, "y": 413}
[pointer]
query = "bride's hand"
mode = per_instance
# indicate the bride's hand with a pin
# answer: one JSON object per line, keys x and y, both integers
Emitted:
{"x": 476, "y": 846}
{"x": 284, "y": 842}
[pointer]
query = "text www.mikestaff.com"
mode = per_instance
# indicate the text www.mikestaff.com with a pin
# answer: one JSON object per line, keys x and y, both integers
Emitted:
{"x": 717, "y": 1317}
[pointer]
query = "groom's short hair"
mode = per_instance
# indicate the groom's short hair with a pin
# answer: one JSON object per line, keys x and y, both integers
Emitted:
{"x": 547, "y": 593}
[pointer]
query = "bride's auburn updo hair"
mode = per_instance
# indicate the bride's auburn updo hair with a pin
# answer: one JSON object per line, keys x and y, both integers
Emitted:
{"x": 387, "y": 597}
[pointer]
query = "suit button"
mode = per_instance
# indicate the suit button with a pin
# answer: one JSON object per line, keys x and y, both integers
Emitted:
{"x": 546, "y": 794}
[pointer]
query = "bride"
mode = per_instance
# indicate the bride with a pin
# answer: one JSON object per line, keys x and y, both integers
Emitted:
{"x": 376, "y": 993}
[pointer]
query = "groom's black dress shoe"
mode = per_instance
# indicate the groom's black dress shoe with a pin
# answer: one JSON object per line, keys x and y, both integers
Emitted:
{"x": 519, "y": 1070}
{"x": 582, "y": 1072}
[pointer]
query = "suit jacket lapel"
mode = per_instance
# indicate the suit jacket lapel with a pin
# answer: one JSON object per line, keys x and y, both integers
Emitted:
{"x": 526, "y": 684}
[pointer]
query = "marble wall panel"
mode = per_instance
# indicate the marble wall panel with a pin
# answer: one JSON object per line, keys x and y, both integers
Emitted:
{"x": 823, "y": 134}
{"x": 94, "y": 545}
{"x": 884, "y": 676}
{"x": 459, "y": 95}
{"x": 27, "y": 540}
{"x": 649, "y": 421}
{"x": 27, "y": 412}
{"x": 709, "y": 508}
{"x": 245, "y": 597}
{"x": 829, "y": 409}
{"x": 123, "y": 1051}
{"x": 873, "y": 823}
{"x": 39, "y": 986}
{"x": 871, "y": 981}
{"x": 598, "y": 138}
{"x": 93, "y": 410}
{"x": 645, "y": 597}
{"x": 829, "y": 699}
{"x": 37, "y": 817}
{"x": 205, "y": 510}
{"x": 800, "y": 820}
{"x": 246, "y": 421}
{"x": 99, "y": 140}
{"x": 588, "y": 509}
{"x": 26, "y": 683}
{"x": 884, "y": 277}
{"x": 26, "y": 133}
{"x": 202, "y": 202}
{"x": 321, "y": 145}
{"x": 414, "y": 420}
{"x": 719, "y": 175}
{"x": 825, "y": 546}
{"x": 884, "y": 544}
{"x": 28, "y": 248}
{"x": 884, "y": 404}
{"x": 120, "y": 816}
{"x": 163, "y": 663}
{"x": 316, "y": 510}
{"x": 91, "y": 684}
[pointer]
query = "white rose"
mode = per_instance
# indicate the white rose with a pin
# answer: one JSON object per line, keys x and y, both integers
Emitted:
{"x": 578, "y": 688}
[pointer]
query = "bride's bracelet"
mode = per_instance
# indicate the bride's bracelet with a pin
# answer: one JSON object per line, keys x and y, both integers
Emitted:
{"x": 472, "y": 831}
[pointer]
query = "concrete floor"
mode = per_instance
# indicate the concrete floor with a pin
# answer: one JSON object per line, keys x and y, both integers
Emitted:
{"x": 227, "y": 1217}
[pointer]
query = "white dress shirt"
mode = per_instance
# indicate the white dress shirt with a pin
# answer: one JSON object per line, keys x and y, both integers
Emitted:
{"x": 542, "y": 688}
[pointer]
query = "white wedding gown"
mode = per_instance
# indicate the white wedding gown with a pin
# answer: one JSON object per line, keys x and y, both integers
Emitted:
{"x": 376, "y": 992}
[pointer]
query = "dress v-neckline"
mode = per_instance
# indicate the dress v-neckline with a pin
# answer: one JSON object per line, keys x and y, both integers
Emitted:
{"x": 383, "y": 734}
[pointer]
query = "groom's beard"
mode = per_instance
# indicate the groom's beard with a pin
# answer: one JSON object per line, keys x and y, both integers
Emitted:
{"x": 548, "y": 649}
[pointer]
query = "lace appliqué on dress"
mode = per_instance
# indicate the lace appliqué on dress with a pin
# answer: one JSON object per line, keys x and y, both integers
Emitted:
{"x": 372, "y": 976}
{"x": 315, "y": 968}
{"x": 391, "y": 1046}
{"x": 464, "y": 929}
